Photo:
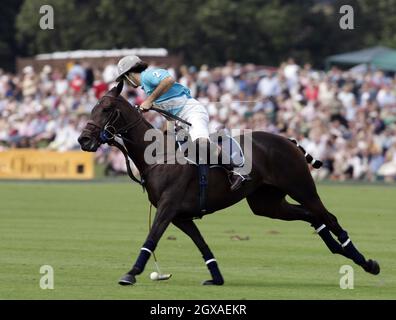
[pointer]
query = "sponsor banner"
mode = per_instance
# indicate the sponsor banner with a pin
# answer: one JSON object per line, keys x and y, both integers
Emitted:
{"x": 43, "y": 164}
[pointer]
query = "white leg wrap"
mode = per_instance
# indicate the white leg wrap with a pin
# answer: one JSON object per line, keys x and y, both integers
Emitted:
{"x": 320, "y": 228}
{"x": 145, "y": 249}
{"x": 210, "y": 260}
{"x": 345, "y": 243}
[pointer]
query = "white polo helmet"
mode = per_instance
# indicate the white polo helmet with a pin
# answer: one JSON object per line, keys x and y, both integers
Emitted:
{"x": 126, "y": 64}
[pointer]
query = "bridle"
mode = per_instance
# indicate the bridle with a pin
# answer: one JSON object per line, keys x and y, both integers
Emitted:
{"x": 109, "y": 132}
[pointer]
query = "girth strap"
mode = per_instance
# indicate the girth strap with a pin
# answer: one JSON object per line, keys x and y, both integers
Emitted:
{"x": 203, "y": 170}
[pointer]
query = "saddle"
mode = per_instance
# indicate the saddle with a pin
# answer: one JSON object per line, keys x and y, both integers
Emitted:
{"x": 232, "y": 156}
{"x": 231, "y": 149}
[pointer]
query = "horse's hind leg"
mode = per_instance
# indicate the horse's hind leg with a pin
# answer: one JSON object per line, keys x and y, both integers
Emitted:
{"x": 316, "y": 207}
{"x": 189, "y": 228}
{"x": 270, "y": 202}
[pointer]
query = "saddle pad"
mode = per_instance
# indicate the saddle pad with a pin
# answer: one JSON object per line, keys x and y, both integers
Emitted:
{"x": 231, "y": 150}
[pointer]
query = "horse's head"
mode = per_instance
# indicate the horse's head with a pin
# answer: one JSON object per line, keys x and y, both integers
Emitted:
{"x": 105, "y": 121}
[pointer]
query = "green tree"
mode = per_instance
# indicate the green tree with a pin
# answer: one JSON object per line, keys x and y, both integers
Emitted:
{"x": 8, "y": 12}
{"x": 209, "y": 31}
{"x": 75, "y": 25}
{"x": 380, "y": 17}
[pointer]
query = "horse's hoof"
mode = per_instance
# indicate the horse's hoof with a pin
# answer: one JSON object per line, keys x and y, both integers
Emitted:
{"x": 127, "y": 280}
{"x": 213, "y": 283}
{"x": 372, "y": 267}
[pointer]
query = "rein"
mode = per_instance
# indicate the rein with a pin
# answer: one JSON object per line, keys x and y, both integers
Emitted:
{"x": 109, "y": 133}
{"x": 119, "y": 146}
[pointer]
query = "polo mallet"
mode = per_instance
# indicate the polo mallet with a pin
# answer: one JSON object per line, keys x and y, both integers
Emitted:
{"x": 166, "y": 114}
{"x": 159, "y": 275}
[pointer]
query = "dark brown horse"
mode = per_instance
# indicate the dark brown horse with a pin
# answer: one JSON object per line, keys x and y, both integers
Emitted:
{"x": 279, "y": 168}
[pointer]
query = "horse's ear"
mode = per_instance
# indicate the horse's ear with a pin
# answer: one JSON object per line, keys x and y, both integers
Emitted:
{"x": 119, "y": 87}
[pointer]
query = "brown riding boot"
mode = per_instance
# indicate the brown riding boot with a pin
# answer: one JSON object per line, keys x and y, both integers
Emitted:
{"x": 236, "y": 179}
{"x": 236, "y": 182}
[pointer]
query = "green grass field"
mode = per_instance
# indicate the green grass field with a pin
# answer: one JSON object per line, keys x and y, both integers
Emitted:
{"x": 91, "y": 233}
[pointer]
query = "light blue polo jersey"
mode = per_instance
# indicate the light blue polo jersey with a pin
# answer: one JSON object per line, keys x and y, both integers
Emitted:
{"x": 151, "y": 78}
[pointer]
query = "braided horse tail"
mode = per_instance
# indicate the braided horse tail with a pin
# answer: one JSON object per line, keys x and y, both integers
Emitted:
{"x": 314, "y": 162}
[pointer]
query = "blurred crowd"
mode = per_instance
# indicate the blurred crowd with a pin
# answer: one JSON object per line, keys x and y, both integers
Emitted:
{"x": 346, "y": 118}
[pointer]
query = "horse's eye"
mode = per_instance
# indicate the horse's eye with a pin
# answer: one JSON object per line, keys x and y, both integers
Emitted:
{"x": 108, "y": 109}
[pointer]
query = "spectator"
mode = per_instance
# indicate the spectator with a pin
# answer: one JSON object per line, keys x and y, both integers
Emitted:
{"x": 344, "y": 118}
{"x": 76, "y": 71}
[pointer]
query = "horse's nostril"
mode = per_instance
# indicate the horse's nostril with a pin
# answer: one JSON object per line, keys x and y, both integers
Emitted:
{"x": 84, "y": 141}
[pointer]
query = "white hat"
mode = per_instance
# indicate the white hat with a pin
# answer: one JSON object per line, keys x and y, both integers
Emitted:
{"x": 126, "y": 64}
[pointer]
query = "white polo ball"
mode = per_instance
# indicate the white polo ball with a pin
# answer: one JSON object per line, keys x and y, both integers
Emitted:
{"x": 154, "y": 275}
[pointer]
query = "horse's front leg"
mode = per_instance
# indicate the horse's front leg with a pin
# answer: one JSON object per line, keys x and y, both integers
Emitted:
{"x": 190, "y": 229}
{"x": 164, "y": 216}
